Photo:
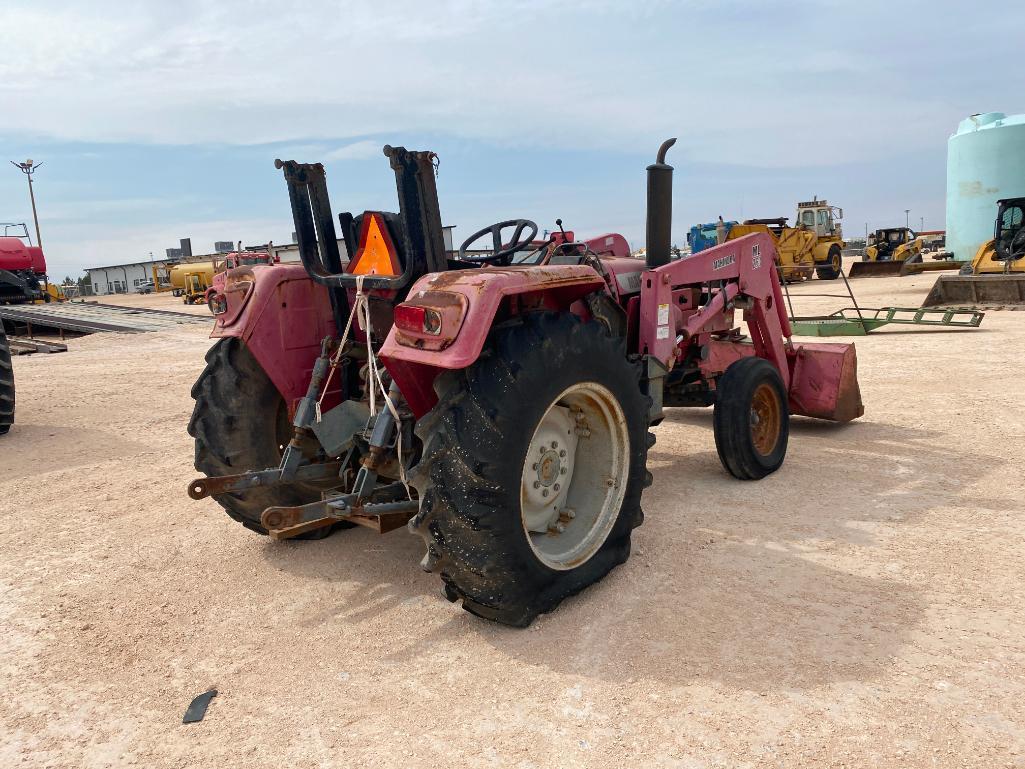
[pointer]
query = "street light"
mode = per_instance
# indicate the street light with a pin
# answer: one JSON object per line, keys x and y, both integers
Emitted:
{"x": 907, "y": 218}
{"x": 28, "y": 168}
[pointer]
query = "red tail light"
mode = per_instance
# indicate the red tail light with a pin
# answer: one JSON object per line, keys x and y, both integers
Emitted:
{"x": 417, "y": 319}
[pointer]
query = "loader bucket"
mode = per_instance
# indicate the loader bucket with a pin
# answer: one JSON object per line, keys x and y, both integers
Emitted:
{"x": 824, "y": 382}
{"x": 875, "y": 269}
{"x": 983, "y": 291}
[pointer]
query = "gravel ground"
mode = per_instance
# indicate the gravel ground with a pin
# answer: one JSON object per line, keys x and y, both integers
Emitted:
{"x": 861, "y": 607}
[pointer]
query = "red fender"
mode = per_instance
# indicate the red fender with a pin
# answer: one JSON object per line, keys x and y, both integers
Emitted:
{"x": 282, "y": 316}
{"x": 468, "y": 302}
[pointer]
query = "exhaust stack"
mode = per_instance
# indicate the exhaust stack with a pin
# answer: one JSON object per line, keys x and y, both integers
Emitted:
{"x": 658, "y": 238}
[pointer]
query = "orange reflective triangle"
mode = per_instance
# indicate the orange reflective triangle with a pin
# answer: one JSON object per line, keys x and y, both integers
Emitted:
{"x": 376, "y": 253}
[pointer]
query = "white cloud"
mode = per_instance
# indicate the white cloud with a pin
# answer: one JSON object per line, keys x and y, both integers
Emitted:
{"x": 361, "y": 150}
{"x": 748, "y": 82}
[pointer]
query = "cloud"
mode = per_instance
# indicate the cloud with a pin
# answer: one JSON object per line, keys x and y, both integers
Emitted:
{"x": 767, "y": 84}
{"x": 361, "y": 150}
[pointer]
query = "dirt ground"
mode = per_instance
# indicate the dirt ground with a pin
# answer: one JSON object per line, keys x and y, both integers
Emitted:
{"x": 861, "y": 607}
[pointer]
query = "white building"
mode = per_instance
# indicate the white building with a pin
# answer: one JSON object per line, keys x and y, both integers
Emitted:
{"x": 124, "y": 278}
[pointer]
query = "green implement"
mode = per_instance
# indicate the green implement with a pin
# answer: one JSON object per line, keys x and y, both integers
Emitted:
{"x": 854, "y": 321}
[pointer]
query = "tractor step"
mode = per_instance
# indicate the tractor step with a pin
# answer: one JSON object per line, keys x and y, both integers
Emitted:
{"x": 853, "y": 321}
{"x": 382, "y": 517}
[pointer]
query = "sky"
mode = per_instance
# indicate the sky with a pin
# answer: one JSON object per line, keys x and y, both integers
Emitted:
{"x": 156, "y": 121}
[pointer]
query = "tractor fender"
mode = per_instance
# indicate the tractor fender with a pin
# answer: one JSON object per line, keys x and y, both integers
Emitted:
{"x": 468, "y": 302}
{"x": 282, "y": 316}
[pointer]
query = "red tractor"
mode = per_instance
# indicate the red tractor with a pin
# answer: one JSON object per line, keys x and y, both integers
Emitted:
{"x": 22, "y": 267}
{"x": 498, "y": 402}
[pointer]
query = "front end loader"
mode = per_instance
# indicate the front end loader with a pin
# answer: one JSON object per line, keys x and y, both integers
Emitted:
{"x": 995, "y": 278}
{"x": 499, "y": 403}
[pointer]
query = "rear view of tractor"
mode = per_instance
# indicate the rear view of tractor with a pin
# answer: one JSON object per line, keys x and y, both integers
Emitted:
{"x": 996, "y": 275}
{"x": 22, "y": 267}
{"x": 498, "y": 404}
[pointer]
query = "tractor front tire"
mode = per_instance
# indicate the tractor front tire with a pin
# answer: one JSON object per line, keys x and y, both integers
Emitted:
{"x": 533, "y": 468}
{"x": 240, "y": 423}
{"x": 833, "y": 266}
{"x": 6, "y": 385}
{"x": 751, "y": 419}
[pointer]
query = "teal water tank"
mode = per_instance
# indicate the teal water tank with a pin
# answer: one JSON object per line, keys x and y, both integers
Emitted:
{"x": 985, "y": 163}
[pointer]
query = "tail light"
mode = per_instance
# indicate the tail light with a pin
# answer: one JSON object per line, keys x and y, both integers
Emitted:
{"x": 417, "y": 319}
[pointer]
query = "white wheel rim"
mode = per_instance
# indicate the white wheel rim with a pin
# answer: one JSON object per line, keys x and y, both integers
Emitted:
{"x": 574, "y": 476}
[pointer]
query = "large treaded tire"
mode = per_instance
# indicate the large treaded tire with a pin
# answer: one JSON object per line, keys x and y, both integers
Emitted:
{"x": 6, "y": 385}
{"x": 475, "y": 443}
{"x": 833, "y": 266}
{"x": 240, "y": 423}
{"x": 732, "y": 419}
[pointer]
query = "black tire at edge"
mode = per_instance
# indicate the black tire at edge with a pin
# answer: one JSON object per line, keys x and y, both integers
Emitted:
{"x": 6, "y": 385}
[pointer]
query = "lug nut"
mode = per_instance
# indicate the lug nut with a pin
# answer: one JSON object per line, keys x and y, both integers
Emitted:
{"x": 609, "y": 482}
{"x": 562, "y": 471}
{"x": 562, "y": 452}
{"x": 544, "y": 492}
{"x": 555, "y": 444}
{"x": 534, "y": 466}
{"x": 537, "y": 484}
{"x": 557, "y": 528}
{"x": 569, "y": 512}
{"x": 556, "y": 487}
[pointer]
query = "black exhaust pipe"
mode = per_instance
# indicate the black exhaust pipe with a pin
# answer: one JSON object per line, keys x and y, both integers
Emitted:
{"x": 660, "y": 208}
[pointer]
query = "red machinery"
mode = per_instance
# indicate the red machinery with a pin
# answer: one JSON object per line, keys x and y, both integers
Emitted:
{"x": 22, "y": 267}
{"x": 231, "y": 261}
{"x": 500, "y": 403}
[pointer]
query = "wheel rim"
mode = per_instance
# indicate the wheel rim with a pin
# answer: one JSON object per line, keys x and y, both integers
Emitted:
{"x": 766, "y": 419}
{"x": 836, "y": 263}
{"x": 574, "y": 476}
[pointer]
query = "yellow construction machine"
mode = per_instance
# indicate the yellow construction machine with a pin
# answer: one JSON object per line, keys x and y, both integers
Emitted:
{"x": 996, "y": 276}
{"x": 813, "y": 246}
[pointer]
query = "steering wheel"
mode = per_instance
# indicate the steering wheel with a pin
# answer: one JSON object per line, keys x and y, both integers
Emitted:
{"x": 1016, "y": 249}
{"x": 500, "y": 255}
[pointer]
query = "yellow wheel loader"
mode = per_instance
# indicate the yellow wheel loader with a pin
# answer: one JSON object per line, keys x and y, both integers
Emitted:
{"x": 995, "y": 278}
{"x": 813, "y": 246}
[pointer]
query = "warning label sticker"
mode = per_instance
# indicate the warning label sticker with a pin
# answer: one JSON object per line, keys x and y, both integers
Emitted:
{"x": 663, "y": 314}
{"x": 662, "y": 332}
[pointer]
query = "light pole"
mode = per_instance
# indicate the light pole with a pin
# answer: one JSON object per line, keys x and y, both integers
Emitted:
{"x": 907, "y": 218}
{"x": 28, "y": 168}
{"x": 921, "y": 223}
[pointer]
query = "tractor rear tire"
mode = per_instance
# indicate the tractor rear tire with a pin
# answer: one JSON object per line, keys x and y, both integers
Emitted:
{"x": 6, "y": 385}
{"x": 751, "y": 419}
{"x": 240, "y": 423}
{"x": 833, "y": 266}
{"x": 506, "y": 555}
